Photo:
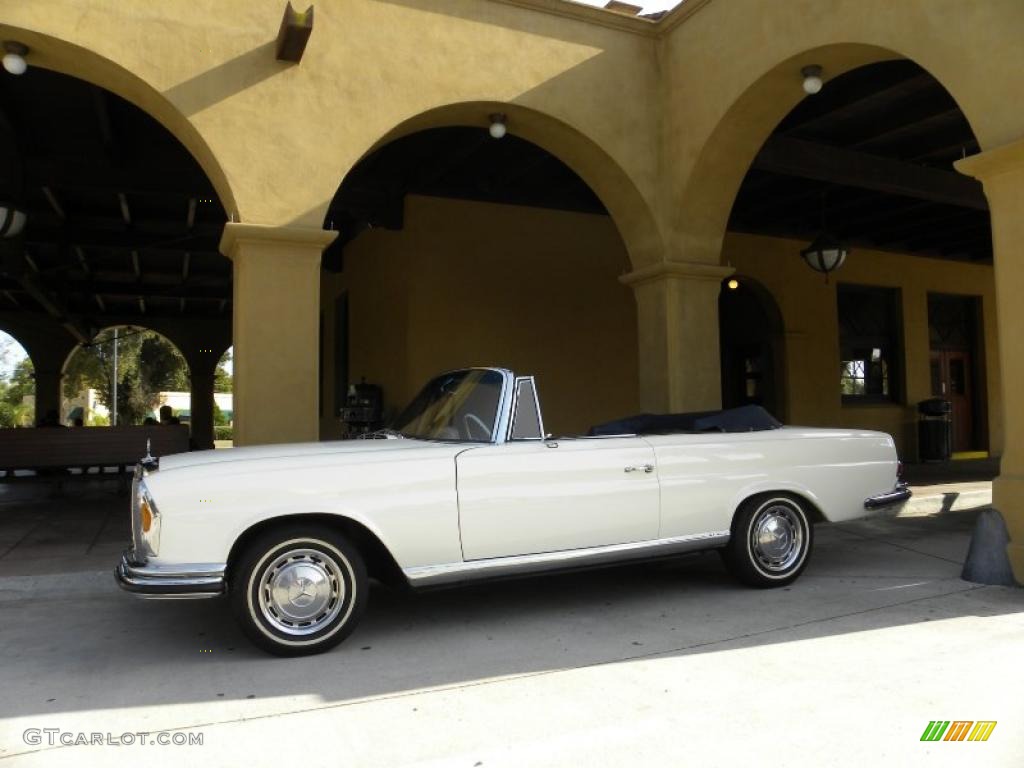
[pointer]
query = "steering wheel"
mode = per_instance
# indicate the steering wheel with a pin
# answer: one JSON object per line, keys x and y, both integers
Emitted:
{"x": 471, "y": 419}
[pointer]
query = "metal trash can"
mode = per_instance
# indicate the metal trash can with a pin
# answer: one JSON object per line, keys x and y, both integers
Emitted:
{"x": 935, "y": 430}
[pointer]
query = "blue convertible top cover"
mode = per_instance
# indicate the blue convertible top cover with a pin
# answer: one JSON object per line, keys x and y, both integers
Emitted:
{"x": 747, "y": 418}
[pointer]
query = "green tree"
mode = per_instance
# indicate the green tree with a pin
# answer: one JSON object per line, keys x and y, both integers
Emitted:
{"x": 222, "y": 380}
{"x": 22, "y": 383}
{"x": 147, "y": 364}
{"x": 220, "y": 419}
{"x": 14, "y": 412}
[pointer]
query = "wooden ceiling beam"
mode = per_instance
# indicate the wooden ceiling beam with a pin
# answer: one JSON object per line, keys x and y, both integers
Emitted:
{"x": 126, "y": 212}
{"x": 102, "y": 109}
{"x": 872, "y": 101}
{"x": 909, "y": 128}
{"x": 809, "y": 160}
{"x": 114, "y": 289}
{"x": 137, "y": 176}
{"x": 115, "y": 241}
{"x": 51, "y": 198}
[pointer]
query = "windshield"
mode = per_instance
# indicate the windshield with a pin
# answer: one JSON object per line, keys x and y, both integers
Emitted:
{"x": 460, "y": 406}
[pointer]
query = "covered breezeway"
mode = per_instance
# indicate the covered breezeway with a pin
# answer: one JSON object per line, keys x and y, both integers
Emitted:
{"x": 120, "y": 229}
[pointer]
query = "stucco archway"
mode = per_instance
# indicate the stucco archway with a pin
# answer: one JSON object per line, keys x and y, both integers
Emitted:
{"x": 704, "y": 200}
{"x": 631, "y": 213}
{"x": 480, "y": 247}
{"x": 132, "y": 341}
{"x": 49, "y": 52}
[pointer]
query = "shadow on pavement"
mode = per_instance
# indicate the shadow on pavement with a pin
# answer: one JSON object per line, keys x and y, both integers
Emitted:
{"x": 74, "y": 642}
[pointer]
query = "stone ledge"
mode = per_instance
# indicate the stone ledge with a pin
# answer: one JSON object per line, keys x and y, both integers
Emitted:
{"x": 236, "y": 233}
{"x": 680, "y": 270}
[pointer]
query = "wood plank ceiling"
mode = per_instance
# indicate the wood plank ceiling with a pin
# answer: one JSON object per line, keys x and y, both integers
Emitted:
{"x": 874, "y": 152}
{"x": 122, "y": 222}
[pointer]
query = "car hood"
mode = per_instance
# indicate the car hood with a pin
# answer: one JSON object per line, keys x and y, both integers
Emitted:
{"x": 399, "y": 447}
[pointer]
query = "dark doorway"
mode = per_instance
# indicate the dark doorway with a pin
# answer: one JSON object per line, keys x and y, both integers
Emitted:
{"x": 750, "y": 328}
{"x": 956, "y": 362}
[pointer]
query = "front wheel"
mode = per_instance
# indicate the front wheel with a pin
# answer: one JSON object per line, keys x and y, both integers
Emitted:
{"x": 771, "y": 541}
{"x": 299, "y": 590}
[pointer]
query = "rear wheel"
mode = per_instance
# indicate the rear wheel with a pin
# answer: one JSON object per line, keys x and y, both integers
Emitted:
{"x": 771, "y": 540}
{"x": 299, "y": 590}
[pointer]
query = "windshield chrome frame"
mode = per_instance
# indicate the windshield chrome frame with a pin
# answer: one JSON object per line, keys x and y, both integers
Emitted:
{"x": 503, "y": 422}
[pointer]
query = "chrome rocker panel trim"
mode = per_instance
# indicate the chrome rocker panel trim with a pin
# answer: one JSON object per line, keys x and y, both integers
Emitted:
{"x": 498, "y": 567}
{"x": 190, "y": 581}
{"x": 897, "y": 495}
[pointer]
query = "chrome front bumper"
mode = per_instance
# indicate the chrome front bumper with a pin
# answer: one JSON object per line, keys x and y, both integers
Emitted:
{"x": 897, "y": 495}
{"x": 186, "y": 581}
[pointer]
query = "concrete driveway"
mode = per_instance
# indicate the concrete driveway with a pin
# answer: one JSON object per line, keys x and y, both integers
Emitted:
{"x": 644, "y": 665}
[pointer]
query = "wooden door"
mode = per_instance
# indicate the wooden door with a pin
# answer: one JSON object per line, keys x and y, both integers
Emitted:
{"x": 952, "y": 375}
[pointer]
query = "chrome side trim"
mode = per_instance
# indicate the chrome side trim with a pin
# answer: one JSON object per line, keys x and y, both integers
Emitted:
{"x": 897, "y": 495}
{"x": 452, "y": 573}
{"x": 163, "y": 581}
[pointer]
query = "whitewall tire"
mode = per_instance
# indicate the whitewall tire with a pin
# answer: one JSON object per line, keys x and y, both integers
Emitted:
{"x": 299, "y": 590}
{"x": 771, "y": 541}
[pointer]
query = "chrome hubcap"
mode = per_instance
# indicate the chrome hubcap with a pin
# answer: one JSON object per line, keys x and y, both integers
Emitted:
{"x": 301, "y": 591}
{"x": 777, "y": 537}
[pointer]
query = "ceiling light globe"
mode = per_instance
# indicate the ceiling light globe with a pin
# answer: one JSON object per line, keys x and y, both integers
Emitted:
{"x": 498, "y": 129}
{"x": 812, "y": 84}
{"x": 15, "y": 63}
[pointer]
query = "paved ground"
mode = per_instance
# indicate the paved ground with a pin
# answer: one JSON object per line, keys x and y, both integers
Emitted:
{"x": 645, "y": 665}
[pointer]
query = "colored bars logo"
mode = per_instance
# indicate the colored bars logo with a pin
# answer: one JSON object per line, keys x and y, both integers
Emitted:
{"x": 958, "y": 730}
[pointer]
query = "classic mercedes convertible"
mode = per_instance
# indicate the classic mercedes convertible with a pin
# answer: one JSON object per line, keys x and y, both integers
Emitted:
{"x": 467, "y": 485}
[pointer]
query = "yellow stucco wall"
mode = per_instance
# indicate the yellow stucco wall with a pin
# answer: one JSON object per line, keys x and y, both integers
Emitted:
{"x": 810, "y": 317}
{"x": 731, "y": 72}
{"x": 277, "y": 138}
{"x": 481, "y": 284}
{"x": 661, "y": 120}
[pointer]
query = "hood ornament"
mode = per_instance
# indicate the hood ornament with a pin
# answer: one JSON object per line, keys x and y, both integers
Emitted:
{"x": 149, "y": 462}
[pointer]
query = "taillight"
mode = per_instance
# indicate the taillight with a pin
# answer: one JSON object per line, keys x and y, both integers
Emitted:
{"x": 899, "y": 470}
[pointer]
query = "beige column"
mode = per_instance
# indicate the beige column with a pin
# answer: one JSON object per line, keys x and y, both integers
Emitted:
{"x": 1001, "y": 171}
{"x": 677, "y": 324}
{"x": 276, "y": 330}
{"x": 48, "y": 393}
{"x": 201, "y": 376}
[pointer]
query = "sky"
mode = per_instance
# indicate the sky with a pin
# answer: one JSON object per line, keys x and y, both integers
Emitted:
{"x": 11, "y": 353}
{"x": 650, "y": 6}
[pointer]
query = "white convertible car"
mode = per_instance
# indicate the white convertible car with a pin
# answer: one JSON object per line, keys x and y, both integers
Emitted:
{"x": 467, "y": 485}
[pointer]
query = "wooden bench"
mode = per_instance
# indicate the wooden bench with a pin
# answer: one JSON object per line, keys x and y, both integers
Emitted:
{"x": 84, "y": 448}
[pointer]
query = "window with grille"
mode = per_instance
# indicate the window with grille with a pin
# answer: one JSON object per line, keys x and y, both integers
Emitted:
{"x": 869, "y": 343}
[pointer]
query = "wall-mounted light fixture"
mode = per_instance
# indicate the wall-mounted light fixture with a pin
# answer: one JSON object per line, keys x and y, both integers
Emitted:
{"x": 294, "y": 34}
{"x": 499, "y": 125}
{"x": 12, "y": 221}
{"x": 812, "y": 79}
{"x": 14, "y": 57}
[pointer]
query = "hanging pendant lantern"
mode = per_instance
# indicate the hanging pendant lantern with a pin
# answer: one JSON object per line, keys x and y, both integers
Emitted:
{"x": 826, "y": 254}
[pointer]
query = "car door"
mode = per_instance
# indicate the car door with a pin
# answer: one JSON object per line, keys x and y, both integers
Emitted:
{"x": 532, "y": 496}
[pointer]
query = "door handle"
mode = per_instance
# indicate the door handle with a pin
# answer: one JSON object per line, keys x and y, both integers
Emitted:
{"x": 647, "y": 468}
